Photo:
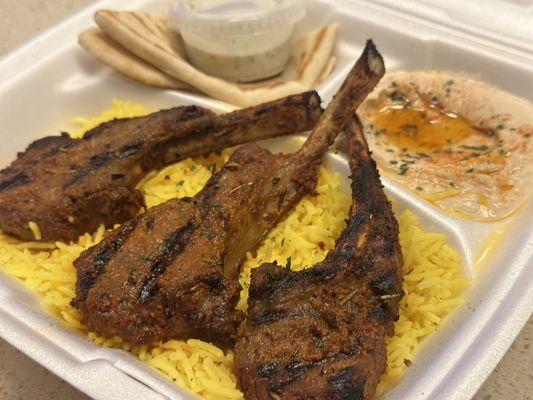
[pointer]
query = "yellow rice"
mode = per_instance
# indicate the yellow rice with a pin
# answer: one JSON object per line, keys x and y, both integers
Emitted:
{"x": 433, "y": 281}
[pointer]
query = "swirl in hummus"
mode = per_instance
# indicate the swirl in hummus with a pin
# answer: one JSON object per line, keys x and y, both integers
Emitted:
{"x": 457, "y": 142}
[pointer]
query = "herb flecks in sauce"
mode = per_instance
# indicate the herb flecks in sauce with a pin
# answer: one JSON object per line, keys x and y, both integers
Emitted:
{"x": 422, "y": 127}
{"x": 446, "y": 139}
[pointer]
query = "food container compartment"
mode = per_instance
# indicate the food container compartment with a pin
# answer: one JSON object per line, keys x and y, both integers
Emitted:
{"x": 238, "y": 40}
{"x": 54, "y": 80}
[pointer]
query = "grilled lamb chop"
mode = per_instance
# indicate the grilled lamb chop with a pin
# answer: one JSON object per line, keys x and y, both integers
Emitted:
{"x": 320, "y": 333}
{"x": 172, "y": 272}
{"x": 69, "y": 186}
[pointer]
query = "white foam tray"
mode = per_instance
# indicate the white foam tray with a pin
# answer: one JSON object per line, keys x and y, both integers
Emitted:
{"x": 51, "y": 79}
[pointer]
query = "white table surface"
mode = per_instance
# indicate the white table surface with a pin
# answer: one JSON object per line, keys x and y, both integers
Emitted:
{"x": 22, "y": 378}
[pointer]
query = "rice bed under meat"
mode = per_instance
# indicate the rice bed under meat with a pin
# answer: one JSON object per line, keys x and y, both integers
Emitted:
{"x": 433, "y": 281}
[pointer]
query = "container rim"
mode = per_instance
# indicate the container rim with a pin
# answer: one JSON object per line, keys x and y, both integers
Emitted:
{"x": 256, "y": 19}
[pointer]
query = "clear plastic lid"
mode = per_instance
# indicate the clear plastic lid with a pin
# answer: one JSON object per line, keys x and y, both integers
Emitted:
{"x": 235, "y": 17}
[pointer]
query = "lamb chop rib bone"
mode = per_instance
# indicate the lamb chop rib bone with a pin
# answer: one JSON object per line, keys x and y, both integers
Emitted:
{"x": 320, "y": 333}
{"x": 172, "y": 272}
{"x": 69, "y": 186}
{"x": 300, "y": 168}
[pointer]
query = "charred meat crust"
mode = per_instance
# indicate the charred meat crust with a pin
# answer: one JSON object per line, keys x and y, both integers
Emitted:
{"x": 69, "y": 187}
{"x": 145, "y": 295}
{"x": 320, "y": 332}
{"x": 146, "y": 291}
{"x": 171, "y": 279}
{"x": 100, "y": 257}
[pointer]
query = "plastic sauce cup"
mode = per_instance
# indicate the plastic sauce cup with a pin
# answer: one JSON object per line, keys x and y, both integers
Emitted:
{"x": 237, "y": 40}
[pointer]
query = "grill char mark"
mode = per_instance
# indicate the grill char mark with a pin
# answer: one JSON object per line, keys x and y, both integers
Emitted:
{"x": 269, "y": 317}
{"x": 102, "y": 258}
{"x": 280, "y": 375}
{"x": 51, "y": 145}
{"x": 19, "y": 179}
{"x": 99, "y": 160}
{"x": 346, "y": 385}
{"x": 172, "y": 246}
{"x": 129, "y": 149}
{"x": 93, "y": 164}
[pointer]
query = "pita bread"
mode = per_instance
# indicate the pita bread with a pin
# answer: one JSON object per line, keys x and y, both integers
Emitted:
{"x": 112, "y": 54}
{"x": 147, "y": 37}
{"x": 310, "y": 55}
{"x": 328, "y": 69}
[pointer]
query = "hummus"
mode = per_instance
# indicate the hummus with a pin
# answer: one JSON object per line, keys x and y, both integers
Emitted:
{"x": 457, "y": 142}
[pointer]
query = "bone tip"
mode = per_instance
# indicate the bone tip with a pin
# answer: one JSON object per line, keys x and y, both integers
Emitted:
{"x": 374, "y": 59}
{"x": 313, "y": 100}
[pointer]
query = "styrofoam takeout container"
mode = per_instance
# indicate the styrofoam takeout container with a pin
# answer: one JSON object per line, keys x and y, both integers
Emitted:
{"x": 51, "y": 79}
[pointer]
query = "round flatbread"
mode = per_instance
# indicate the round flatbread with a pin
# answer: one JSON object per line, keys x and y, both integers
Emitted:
{"x": 112, "y": 54}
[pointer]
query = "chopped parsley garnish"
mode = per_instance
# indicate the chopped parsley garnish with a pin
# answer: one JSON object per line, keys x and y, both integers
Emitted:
{"x": 145, "y": 258}
{"x": 319, "y": 343}
{"x": 419, "y": 188}
{"x": 180, "y": 183}
{"x": 270, "y": 273}
{"x": 403, "y": 168}
{"x": 468, "y": 171}
{"x": 483, "y": 147}
{"x": 314, "y": 313}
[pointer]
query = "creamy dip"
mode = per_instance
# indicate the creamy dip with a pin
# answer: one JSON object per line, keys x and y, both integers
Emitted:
{"x": 238, "y": 40}
{"x": 457, "y": 142}
{"x": 237, "y": 67}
